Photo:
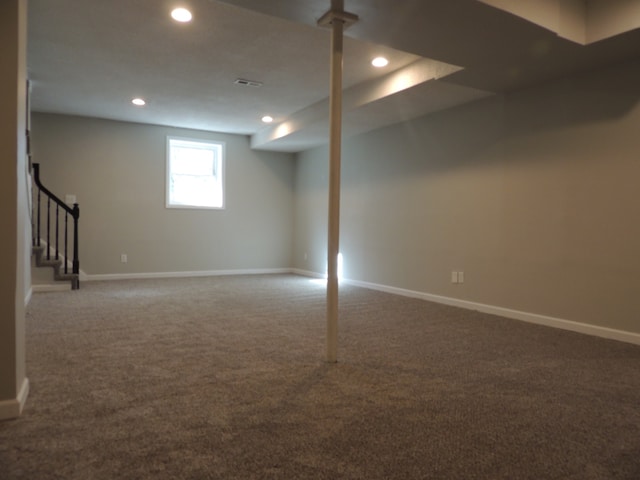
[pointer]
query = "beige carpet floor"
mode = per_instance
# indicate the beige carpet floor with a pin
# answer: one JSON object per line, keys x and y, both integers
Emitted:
{"x": 224, "y": 378}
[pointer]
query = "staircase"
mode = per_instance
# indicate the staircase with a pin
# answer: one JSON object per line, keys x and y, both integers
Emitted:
{"x": 59, "y": 275}
{"x": 51, "y": 222}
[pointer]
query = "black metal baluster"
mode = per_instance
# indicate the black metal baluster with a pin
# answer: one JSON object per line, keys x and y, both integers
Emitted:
{"x": 38, "y": 235}
{"x": 66, "y": 229}
{"x": 33, "y": 216}
{"x": 48, "y": 228}
{"x": 57, "y": 235}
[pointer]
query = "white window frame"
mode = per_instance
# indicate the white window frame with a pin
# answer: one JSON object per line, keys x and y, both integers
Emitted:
{"x": 219, "y": 158}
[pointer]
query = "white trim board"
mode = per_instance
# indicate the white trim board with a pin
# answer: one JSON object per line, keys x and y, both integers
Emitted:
{"x": 307, "y": 273}
{"x": 202, "y": 273}
{"x": 563, "y": 324}
{"x": 51, "y": 287}
{"x": 594, "y": 330}
{"x": 13, "y": 408}
{"x": 27, "y": 297}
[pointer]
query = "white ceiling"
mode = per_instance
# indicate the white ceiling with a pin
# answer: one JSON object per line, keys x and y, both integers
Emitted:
{"x": 91, "y": 57}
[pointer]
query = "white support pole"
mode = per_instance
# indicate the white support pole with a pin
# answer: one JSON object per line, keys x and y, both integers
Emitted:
{"x": 337, "y": 19}
{"x": 335, "y": 146}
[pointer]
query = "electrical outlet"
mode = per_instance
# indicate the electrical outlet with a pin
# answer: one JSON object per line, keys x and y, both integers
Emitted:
{"x": 460, "y": 277}
{"x": 454, "y": 277}
{"x": 123, "y": 258}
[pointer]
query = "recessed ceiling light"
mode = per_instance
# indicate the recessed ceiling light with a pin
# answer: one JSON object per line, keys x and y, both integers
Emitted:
{"x": 181, "y": 15}
{"x": 267, "y": 119}
{"x": 379, "y": 62}
{"x": 138, "y": 102}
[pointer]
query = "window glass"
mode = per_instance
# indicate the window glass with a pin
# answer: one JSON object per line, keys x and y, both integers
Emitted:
{"x": 194, "y": 173}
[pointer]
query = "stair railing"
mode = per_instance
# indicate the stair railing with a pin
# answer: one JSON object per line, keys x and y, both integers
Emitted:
{"x": 73, "y": 212}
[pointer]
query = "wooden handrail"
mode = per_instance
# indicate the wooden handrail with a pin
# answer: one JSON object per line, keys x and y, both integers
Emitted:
{"x": 52, "y": 196}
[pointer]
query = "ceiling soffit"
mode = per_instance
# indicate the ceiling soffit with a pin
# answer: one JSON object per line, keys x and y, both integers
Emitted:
{"x": 581, "y": 21}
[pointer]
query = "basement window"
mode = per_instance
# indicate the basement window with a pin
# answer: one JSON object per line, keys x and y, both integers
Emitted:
{"x": 195, "y": 173}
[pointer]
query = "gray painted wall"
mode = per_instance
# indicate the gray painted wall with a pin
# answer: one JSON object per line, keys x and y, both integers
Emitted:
{"x": 117, "y": 172}
{"x": 533, "y": 195}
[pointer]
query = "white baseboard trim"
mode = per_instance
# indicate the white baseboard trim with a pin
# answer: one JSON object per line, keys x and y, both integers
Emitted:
{"x": 53, "y": 287}
{"x": 13, "y": 408}
{"x": 306, "y": 273}
{"x": 27, "y": 297}
{"x": 594, "y": 330}
{"x": 23, "y": 394}
{"x": 202, "y": 273}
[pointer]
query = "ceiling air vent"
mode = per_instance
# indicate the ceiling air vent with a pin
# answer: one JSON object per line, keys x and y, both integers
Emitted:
{"x": 247, "y": 83}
